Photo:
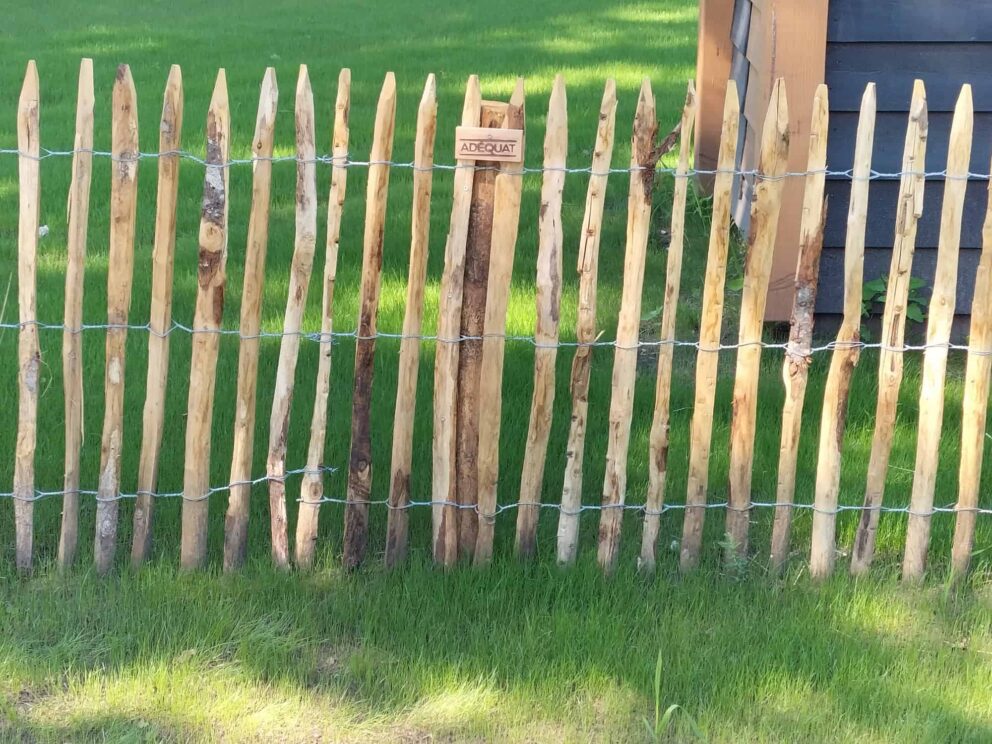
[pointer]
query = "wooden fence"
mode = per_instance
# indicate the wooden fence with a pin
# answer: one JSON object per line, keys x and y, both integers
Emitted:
{"x": 471, "y": 332}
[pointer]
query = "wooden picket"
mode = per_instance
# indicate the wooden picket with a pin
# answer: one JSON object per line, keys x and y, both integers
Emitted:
{"x": 471, "y": 336}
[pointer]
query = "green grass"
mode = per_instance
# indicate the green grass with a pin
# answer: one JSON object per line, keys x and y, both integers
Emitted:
{"x": 517, "y": 652}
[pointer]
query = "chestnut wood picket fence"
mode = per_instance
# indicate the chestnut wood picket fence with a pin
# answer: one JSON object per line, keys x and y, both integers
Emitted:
{"x": 471, "y": 332}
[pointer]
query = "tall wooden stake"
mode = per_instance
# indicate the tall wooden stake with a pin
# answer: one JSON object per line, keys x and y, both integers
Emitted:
{"x": 444, "y": 487}
{"x": 236, "y": 520}
{"x": 160, "y": 317}
{"x": 72, "y": 341}
{"x": 585, "y": 326}
{"x": 941, "y": 316}
{"x": 709, "y": 337}
{"x": 123, "y": 200}
{"x": 845, "y": 355}
{"x": 643, "y": 157}
{"x": 795, "y": 367}
{"x": 890, "y": 359}
{"x": 299, "y": 281}
{"x": 207, "y": 320}
{"x": 312, "y": 489}
{"x": 409, "y": 364}
{"x": 659, "y": 438}
{"x": 506, "y": 217}
{"x": 356, "y": 514}
{"x": 549, "y": 272}
{"x": 28, "y": 350}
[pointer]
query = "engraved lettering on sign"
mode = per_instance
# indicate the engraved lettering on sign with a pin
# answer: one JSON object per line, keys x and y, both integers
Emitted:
{"x": 481, "y": 143}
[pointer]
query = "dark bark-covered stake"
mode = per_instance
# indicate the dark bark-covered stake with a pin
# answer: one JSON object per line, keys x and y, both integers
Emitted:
{"x": 160, "y": 317}
{"x": 207, "y": 319}
{"x": 356, "y": 512}
{"x": 236, "y": 521}
{"x": 123, "y": 200}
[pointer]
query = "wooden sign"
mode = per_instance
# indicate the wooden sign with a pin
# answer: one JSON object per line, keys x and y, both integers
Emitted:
{"x": 482, "y": 143}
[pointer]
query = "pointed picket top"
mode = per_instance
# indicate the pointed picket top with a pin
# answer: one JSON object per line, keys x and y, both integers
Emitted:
{"x": 557, "y": 124}
{"x": 342, "y": 111}
{"x": 775, "y": 133}
{"x": 304, "y": 116}
{"x": 428, "y": 99}
{"x": 124, "y": 134}
{"x": 219, "y": 121}
{"x": 172, "y": 103}
{"x": 386, "y": 107}
{"x": 30, "y": 91}
{"x": 268, "y": 102}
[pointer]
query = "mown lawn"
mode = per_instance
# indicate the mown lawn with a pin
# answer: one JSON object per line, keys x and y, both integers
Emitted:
{"x": 524, "y": 653}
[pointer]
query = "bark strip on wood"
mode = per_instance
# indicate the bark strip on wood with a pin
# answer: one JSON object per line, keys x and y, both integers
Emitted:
{"x": 236, "y": 519}
{"x": 709, "y": 337}
{"x": 208, "y": 316}
{"x": 409, "y": 363}
{"x": 795, "y": 367}
{"x": 123, "y": 200}
{"x": 846, "y": 352}
{"x": 160, "y": 317}
{"x": 643, "y": 156}
{"x": 444, "y": 486}
{"x": 312, "y": 488}
{"x": 939, "y": 321}
{"x": 506, "y": 218}
{"x": 28, "y": 349}
{"x": 975, "y": 407}
{"x": 549, "y": 273}
{"x": 299, "y": 281}
{"x": 659, "y": 437}
{"x": 72, "y": 341}
{"x": 477, "y": 247}
{"x": 585, "y": 326}
{"x": 356, "y": 513}
{"x": 890, "y": 358}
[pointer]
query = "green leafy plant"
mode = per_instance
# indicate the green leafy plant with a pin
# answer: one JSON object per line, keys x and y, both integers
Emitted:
{"x": 663, "y": 721}
{"x": 873, "y": 293}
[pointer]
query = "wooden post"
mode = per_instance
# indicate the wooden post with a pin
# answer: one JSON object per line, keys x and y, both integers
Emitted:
{"x": 409, "y": 364}
{"x": 444, "y": 486}
{"x": 236, "y": 520}
{"x": 709, "y": 337}
{"x": 659, "y": 437}
{"x": 289, "y": 348}
{"x": 477, "y": 250}
{"x": 506, "y": 218}
{"x": 312, "y": 489}
{"x": 72, "y": 341}
{"x": 549, "y": 271}
{"x": 845, "y": 355}
{"x": 585, "y": 326}
{"x": 643, "y": 157}
{"x": 160, "y": 316}
{"x": 356, "y": 514}
{"x": 941, "y": 316}
{"x": 974, "y": 411}
{"x": 795, "y": 367}
{"x": 207, "y": 320}
{"x": 28, "y": 350}
{"x": 765, "y": 207}
{"x": 123, "y": 200}
{"x": 890, "y": 359}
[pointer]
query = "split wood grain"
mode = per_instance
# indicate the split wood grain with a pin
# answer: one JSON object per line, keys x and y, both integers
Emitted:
{"x": 409, "y": 363}
{"x": 28, "y": 349}
{"x": 356, "y": 513}
{"x": 585, "y": 326}
{"x": 211, "y": 279}
{"x": 659, "y": 437}
{"x": 643, "y": 157}
{"x": 847, "y": 349}
{"x": 123, "y": 201}
{"x": 890, "y": 367}
{"x": 795, "y": 367}
{"x": 939, "y": 321}
{"x": 312, "y": 488}
{"x": 549, "y": 277}
{"x": 444, "y": 546}
{"x": 160, "y": 316}
{"x": 236, "y": 519}
{"x": 72, "y": 342}
{"x": 709, "y": 337}
{"x": 304, "y": 246}
{"x": 507, "y": 192}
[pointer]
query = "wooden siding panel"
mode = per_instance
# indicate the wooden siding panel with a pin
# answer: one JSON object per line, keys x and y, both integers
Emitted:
{"x": 909, "y": 20}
